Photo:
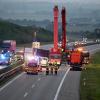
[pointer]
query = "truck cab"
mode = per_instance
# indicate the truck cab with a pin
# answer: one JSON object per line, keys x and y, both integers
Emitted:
{"x": 31, "y": 67}
{"x": 9, "y": 45}
{"x": 6, "y": 58}
{"x": 76, "y": 60}
{"x": 55, "y": 57}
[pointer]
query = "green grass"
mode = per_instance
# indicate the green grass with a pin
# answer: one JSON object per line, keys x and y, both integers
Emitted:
{"x": 22, "y": 34}
{"x": 91, "y": 77}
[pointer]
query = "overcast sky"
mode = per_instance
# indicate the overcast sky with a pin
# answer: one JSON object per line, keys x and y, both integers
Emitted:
{"x": 85, "y": 1}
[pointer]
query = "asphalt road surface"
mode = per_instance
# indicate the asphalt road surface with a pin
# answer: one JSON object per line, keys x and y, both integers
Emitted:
{"x": 64, "y": 86}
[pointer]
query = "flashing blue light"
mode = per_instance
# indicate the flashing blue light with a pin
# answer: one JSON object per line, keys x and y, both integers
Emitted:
{"x": 3, "y": 56}
{"x": 36, "y": 57}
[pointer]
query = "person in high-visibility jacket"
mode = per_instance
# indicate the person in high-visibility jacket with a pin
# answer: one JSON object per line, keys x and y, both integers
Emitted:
{"x": 47, "y": 70}
{"x": 55, "y": 67}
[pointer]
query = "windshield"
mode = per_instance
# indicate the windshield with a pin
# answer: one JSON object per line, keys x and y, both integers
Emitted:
{"x": 56, "y": 56}
{"x": 6, "y": 45}
{"x": 32, "y": 65}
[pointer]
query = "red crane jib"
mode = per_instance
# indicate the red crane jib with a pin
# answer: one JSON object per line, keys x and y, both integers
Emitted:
{"x": 56, "y": 12}
{"x": 63, "y": 28}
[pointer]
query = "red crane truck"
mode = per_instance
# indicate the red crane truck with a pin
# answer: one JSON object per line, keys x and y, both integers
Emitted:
{"x": 55, "y": 52}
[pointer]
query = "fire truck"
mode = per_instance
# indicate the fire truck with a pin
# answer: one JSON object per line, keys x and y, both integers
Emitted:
{"x": 31, "y": 64}
{"x": 78, "y": 57}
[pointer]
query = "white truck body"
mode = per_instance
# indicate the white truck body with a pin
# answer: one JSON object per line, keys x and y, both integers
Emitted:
{"x": 43, "y": 61}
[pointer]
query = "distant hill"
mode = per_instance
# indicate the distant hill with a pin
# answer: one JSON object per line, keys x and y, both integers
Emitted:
{"x": 23, "y": 34}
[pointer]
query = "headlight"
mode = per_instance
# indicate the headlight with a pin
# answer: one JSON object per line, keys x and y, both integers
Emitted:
{"x": 80, "y": 49}
{"x": 58, "y": 63}
{"x": 36, "y": 57}
{"x": 30, "y": 58}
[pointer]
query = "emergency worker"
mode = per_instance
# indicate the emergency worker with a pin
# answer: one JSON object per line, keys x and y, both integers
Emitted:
{"x": 51, "y": 69}
{"x": 47, "y": 70}
{"x": 55, "y": 67}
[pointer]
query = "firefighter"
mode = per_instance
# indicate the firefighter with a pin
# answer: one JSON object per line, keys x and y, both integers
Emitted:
{"x": 51, "y": 68}
{"x": 47, "y": 70}
{"x": 55, "y": 68}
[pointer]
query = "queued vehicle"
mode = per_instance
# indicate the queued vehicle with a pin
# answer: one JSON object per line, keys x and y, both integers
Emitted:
{"x": 20, "y": 55}
{"x": 6, "y": 58}
{"x": 8, "y": 45}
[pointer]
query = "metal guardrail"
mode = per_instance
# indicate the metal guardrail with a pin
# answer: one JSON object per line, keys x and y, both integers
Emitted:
{"x": 10, "y": 67}
{"x": 13, "y": 71}
{"x": 88, "y": 44}
{"x": 6, "y": 75}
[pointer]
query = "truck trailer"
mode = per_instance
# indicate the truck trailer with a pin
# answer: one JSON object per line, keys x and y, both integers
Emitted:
{"x": 9, "y": 45}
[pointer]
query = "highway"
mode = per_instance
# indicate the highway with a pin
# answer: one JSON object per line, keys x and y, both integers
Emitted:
{"x": 64, "y": 86}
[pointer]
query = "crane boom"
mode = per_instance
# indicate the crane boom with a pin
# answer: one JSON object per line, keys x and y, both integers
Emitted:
{"x": 63, "y": 28}
{"x": 56, "y": 11}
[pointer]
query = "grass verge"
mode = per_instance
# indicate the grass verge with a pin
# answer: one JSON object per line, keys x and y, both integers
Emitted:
{"x": 90, "y": 80}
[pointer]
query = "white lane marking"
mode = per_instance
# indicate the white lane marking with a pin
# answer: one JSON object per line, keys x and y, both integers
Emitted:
{"x": 33, "y": 85}
{"x": 59, "y": 88}
{"x": 10, "y": 82}
{"x": 39, "y": 79}
{"x": 25, "y": 94}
